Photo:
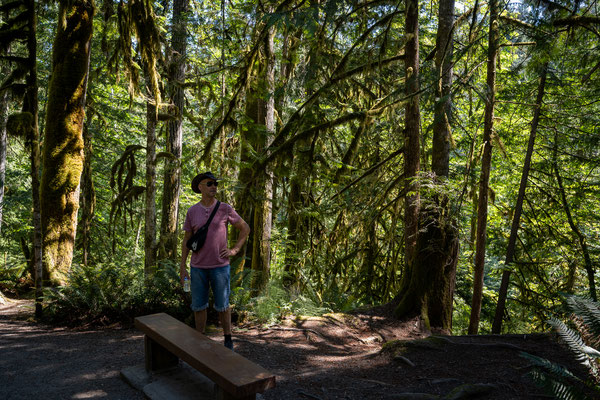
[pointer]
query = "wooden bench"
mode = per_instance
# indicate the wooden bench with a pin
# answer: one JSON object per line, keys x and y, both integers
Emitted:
{"x": 167, "y": 340}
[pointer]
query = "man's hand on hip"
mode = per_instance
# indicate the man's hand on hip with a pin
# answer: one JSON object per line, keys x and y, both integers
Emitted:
{"x": 226, "y": 253}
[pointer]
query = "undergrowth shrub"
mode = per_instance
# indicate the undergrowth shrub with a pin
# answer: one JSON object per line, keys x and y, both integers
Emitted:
{"x": 581, "y": 333}
{"x": 115, "y": 292}
{"x": 105, "y": 293}
{"x": 276, "y": 302}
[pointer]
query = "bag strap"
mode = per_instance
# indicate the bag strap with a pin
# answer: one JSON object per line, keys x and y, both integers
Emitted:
{"x": 214, "y": 211}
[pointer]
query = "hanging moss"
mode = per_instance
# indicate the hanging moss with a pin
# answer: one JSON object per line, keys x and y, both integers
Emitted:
{"x": 20, "y": 125}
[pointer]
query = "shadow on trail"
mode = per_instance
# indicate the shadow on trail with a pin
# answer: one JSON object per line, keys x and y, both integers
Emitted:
{"x": 38, "y": 361}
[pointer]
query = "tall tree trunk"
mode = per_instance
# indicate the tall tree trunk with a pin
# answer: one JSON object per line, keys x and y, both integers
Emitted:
{"x": 172, "y": 178}
{"x": 589, "y": 267}
{"x": 298, "y": 197}
{"x": 437, "y": 245}
{"x": 442, "y": 122}
{"x": 32, "y": 106}
{"x": 412, "y": 132}
{"x": 150, "y": 244}
{"x": 409, "y": 291}
{"x": 369, "y": 262}
{"x": 512, "y": 240}
{"x": 243, "y": 199}
{"x": 3, "y": 146}
{"x": 486, "y": 162}
{"x": 63, "y": 142}
{"x": 297, "y": 227}
{"x": 88, "y": 199}
{"x": 263, "y": 211}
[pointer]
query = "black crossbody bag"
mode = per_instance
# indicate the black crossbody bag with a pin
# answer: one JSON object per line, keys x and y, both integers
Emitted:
{"x": 197, "y": 240}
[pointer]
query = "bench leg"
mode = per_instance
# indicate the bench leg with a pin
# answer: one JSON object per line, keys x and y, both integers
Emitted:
{"x": 221, "y": 394}
{"x": 157, "y": 357}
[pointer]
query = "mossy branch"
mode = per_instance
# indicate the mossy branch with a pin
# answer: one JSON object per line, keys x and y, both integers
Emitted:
{"x": 20, "y": 125}
{"x": 577, "y": 20}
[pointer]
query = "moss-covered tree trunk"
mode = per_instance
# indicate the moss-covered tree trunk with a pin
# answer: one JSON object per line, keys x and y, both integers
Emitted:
{"x": 436, "y": 252}
{"x": 409, "y": 290}
{"x": 63, "y": 143}
{"x": 442, "y": 121}
{"x": 243, "y": 198}
{"x": 88, "y": 199}
{"x": 32, "y": 106}
{"x": 254, "y": 202}
{"x": 412, "y": 131}
{"x": 3, "y": 144}
{"x": 150, "y": 243}
{"x": 298, "y": 225}
{"x": 263, "y": 211}
{"x": 172, "y": 178}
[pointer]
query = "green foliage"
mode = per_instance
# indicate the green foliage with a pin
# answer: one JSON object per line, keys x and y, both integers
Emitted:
{"x": 106, "y": 293}
{"x": 556, "y": 388}
{"x": 349, "y": 250}
{"x": 12, "y": 274}
{"x": 557, "y": 380}
{"x": 275, "y": 302}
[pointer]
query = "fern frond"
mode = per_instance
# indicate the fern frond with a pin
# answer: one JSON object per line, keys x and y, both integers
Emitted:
{"x": 573, "y": 340}
{"x": 556, "y": 388}
{"x": 587, "y": 310}
{"x": 556, "y": 370}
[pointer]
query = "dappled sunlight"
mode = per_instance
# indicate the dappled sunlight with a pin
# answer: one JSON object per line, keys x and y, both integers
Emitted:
{"x": 94, "y": 394}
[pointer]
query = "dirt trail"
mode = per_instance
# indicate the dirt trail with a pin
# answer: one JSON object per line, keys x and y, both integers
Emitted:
{"x": 39, "y": 361}
{"x": 335, "y": 357}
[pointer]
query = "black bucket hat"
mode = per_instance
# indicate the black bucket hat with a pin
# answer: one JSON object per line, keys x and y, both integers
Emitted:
{"x": 198, "y": 178}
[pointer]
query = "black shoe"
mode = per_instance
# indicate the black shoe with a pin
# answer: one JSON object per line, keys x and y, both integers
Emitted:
{"x": 229, "y": 344}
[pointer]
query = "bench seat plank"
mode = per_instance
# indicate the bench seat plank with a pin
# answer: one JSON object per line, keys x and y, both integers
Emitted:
{"x": 229, "y": 370}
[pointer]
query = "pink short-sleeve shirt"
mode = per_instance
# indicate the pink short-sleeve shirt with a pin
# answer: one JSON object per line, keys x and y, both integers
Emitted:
{"x": 216, "y": 239}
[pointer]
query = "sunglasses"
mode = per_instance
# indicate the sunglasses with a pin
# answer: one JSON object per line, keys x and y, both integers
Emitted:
{"x": 209, "y": 184}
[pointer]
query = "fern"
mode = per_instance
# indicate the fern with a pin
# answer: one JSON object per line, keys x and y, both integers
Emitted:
{"x": 557, "y": 388}
{"x": 116, "y": 292}
{"x": 556, "y": 379}
{"x": 587, "y": 310}
{"x": 556, "y": 370}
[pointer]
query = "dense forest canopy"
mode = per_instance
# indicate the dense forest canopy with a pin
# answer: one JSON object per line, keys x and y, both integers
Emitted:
{"x": 440, "y": 156}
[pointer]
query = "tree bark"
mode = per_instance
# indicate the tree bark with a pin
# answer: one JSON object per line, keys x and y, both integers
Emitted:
{"x": 88, "y": 199}
{"x": 412, "y": 132}
{"x": 589, "y": 267}
{"x": 484, "y": 178}
{"x": 438, "y": 244}
{"x": 512, "y": 240}
{"x": 32, "y": 106}
{"x": 3, "y": 146}
{"x": 298, "y": 197}
{"x": 263, "y": 209}
{"x": 150, "y": 244}
{"x": 409, "y": 296}
{"x": 442, "y": 122}
{"x": 63, "y": 142}
{"x": 172, "y": 175}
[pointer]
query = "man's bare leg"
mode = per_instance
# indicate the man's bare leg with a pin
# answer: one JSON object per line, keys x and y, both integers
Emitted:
{"x": 200, "y": 318}
{"x": 225, "y": 319}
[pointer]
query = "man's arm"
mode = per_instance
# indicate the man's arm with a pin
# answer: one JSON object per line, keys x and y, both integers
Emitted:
{"x": 244, "y": 229}
{"x": 183, "y": 271}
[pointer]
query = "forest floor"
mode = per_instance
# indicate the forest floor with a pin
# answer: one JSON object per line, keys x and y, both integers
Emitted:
{"x": 332, "y": 357}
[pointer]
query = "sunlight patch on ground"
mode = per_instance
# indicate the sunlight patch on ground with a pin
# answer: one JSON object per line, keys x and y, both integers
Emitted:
{"x": 93, "y": 394}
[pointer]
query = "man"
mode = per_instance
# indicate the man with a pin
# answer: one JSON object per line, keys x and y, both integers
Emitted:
{"x": 210, "y": 264}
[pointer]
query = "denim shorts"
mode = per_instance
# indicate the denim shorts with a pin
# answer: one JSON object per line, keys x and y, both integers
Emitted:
{"x": 215, "y": 278}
